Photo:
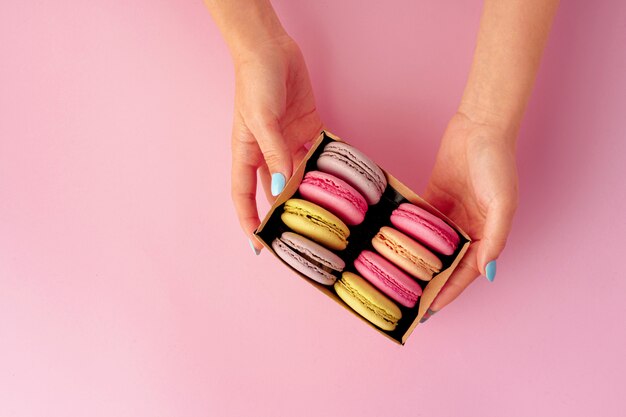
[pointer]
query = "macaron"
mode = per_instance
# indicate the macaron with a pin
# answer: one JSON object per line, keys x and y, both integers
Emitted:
{"x": 335, "y": 195}
{"x": 388, "y": 278}
{"x": 406, "y": 253}
{"x": 366, "y": 300}
{"x": 426, "y": 228}
{"x": 308, "y": 258}
{"x": 352, "y": 166}
{"x": 314, "y": 222}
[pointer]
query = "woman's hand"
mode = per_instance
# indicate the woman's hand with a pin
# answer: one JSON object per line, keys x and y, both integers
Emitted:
{"x": 275, "y": 116}
{"x": 474, "y": 182}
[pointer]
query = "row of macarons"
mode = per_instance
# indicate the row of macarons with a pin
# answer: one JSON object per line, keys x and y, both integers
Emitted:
{"x": 338, "y": 193}
{"x": 386, "y": 273}
{"x": 346, "y": 183}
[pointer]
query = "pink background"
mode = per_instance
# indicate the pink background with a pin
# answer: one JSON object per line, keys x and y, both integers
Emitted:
{"x": 127, "y": 289}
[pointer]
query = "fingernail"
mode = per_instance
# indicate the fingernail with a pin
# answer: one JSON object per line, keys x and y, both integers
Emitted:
{"x": 278, "y": 183}
{"x": 490, "y": 270}
{"x": 429, "y": 313}
{"x": 255, "y": 250}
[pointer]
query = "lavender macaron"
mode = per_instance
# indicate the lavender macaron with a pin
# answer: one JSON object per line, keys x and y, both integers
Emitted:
{"x": 308, "y": 258}
{"x": 352, "y": 166}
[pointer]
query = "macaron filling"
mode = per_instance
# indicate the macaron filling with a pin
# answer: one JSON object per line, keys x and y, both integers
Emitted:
{"x": 308, "y": 256}
{"x": 323, "y": 271}
{"x": 333, "y": 228}
{"x": 388, "y": 280}
{"x": 394, "y": 246}
{"x": 348, "y": 158}
{"x": 380, "y": 312}
{"x": 451, "y": 241}
{"x": 360, "y": 204}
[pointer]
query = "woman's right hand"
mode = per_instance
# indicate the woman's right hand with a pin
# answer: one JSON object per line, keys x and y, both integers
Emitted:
{"x": 274, "y": 117}
{"x": 474, "y": 183}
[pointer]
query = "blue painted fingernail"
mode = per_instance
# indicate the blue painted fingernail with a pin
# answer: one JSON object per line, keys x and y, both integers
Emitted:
{"x": 429, "y": 313}
{"x": 278, "y": 183}
{"x": 255, "y": 250}
{"x": 490, "y": 269}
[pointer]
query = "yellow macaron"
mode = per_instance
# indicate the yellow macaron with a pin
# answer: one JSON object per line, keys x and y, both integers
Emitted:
{"x": 368, "y": 301}
{"x": 316, "y": 223}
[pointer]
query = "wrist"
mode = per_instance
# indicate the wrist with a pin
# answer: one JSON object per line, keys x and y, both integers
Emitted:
{"x": 491, "y": 109}
{"x": 492, "y": 116}
{"x": 249, "y": 41}
{"x": 483, "y": 127}
{"x": 255, "y": 29}
{"x": 271, "y": 46}
{"x": 246, "y": 24}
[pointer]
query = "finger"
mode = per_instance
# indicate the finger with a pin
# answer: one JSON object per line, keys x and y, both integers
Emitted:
{"x": 498, "y": 223}
{"x": 246, "y": 156}
{"x": 267, "y": 132}
{"x": 264, "y": 173}
{"x": 464, "y": 274}
{"x": 266, "y": 181}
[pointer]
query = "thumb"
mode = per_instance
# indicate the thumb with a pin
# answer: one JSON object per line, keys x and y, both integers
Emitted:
{"x": 275, "y": 151}
{"x": 495, "y": 232}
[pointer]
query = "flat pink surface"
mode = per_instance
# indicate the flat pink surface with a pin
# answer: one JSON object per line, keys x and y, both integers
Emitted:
{"x": 127, "y": 289}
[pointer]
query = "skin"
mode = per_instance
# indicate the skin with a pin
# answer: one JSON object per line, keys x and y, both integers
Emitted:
{"x": 474, "y": 180}
{"x": 273, "y": 101}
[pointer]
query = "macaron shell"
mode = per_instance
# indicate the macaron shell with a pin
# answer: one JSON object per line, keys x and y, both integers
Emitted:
{"x": 388, "y": 278}
{"x": 314, "y": 222}
{"x": 302, "y": 265}
{"x": 335, "y": 195}
{"x": 367, "y": 301}
{"x": 426, "y": 228}
{"x": 352, "y": 166}
{"x": 406, "y": 253}
{"x": 312, "y": 250}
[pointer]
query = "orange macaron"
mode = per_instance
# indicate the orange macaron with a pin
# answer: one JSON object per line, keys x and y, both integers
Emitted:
{"x": 406, "y": 253}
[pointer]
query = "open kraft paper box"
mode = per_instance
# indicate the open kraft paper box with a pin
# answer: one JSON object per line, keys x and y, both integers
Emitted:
{"x": 361, "y": 236}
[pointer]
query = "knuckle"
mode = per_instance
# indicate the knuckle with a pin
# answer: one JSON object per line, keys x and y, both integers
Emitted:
{"x": 240, "y": 197}
{"x": 248, "y": 159}
{"x": 245, "y": 154}
{"x": 466, "y": 266}
{"x": 502, "y": 243}
{"x": 496, "y": 244}
{"x": 273, "y": 157}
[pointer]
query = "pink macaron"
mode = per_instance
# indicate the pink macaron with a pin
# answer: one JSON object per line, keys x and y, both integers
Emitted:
{"x": 388, "y": 278}
{"x": 335, "y": 195}
{"x": 426, "y": 228}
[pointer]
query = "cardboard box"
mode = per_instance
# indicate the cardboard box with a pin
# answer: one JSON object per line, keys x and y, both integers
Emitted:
{"x": 361, "y": 236}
